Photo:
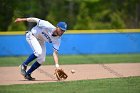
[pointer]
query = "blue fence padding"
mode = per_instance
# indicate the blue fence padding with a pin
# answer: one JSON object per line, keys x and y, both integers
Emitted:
{"x": 105, "y": 43}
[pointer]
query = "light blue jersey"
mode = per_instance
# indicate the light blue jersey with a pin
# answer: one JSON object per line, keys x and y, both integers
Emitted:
{"x": 44, "y": 30}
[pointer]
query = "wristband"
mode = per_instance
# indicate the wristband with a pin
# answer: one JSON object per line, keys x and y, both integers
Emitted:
{"x": 56, "y": 65}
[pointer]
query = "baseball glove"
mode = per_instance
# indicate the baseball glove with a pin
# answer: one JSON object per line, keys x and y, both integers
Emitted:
{"x": 60, "y": 74}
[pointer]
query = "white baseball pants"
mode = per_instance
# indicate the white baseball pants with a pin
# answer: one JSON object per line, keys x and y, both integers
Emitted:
{"x": 38, "y": 47}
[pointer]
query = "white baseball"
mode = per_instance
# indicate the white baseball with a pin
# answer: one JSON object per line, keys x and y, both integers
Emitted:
{"x": 72, "y": 71}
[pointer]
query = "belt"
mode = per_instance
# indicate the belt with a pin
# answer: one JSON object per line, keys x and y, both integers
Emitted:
{"x": 28, "y": 32}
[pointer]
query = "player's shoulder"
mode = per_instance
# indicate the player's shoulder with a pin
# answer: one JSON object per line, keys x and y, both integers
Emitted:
{"x": 44, "y": 23}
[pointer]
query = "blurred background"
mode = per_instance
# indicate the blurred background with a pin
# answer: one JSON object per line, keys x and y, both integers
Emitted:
{"x": 98, "y": 30}
{"x": 79, "y": 14}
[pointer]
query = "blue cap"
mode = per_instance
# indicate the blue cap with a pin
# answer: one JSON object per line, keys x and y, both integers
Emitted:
{"x": 62, "y": 25}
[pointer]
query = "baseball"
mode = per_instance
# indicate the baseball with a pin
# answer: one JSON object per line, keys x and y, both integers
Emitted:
{"x": 72, "y": 71}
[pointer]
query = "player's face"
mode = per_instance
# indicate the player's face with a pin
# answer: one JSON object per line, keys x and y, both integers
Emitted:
{"x": 58, "y": 32}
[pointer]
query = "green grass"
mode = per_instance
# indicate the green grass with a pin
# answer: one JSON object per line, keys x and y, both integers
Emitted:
{"x": 118, "y": 85}
{"x": 77, "y": 59}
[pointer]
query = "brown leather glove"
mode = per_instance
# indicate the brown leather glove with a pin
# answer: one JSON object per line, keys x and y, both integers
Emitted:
{"x": 60, "y": 74}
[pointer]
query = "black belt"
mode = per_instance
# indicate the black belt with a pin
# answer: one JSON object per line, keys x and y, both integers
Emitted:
{"x": 28, "y": 32}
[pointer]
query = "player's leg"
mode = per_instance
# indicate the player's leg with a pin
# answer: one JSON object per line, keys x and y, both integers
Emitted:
{"x": 38, "y": 63}
{"x": 29, "y": 59}
{"x": 34, "y": 44}
{"x": 32, "y": 68}
{"x": 24, "y": 65}
{"x": 42, "y": 57}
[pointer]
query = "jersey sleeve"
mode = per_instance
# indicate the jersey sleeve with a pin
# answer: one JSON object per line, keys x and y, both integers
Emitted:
{"x": 44, "y": 24}
{"x": 56, "y": 44}
{"x": 32, "y": 19}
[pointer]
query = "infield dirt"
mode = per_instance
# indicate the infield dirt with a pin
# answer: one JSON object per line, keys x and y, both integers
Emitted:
{"x": 11, "y": 75}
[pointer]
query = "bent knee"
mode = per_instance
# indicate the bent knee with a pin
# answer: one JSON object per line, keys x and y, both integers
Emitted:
{"x": 38, "y": 53}
{"x": 41, "y": 60}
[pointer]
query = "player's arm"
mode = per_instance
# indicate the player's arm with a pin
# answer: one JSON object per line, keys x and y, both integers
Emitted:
{"x": 27, "y": 19}
{"x": 55, "y": 57}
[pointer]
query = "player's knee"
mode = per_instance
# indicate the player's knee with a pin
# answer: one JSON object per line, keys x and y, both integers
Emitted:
{"x": 41, "y": 61}
{"x": 38, "y": 53}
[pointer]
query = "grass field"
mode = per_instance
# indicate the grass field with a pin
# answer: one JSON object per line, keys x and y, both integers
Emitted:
{"x": 118, "y": 85}
{"x": 76, "y": 59}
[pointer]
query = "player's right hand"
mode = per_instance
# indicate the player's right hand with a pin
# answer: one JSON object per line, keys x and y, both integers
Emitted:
{"x": 20, "y": 19}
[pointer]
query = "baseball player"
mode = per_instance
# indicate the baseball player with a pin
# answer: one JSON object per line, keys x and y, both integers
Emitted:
{"x": 43, "y": 32}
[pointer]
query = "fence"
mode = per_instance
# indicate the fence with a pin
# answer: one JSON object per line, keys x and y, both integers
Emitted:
{"x": 80, "y": 42}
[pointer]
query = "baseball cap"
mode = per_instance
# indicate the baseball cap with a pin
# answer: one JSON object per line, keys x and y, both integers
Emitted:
{"x": 62, "y": 26}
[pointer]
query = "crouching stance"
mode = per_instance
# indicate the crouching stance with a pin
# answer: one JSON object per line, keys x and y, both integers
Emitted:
{"x": 43, "y": 32}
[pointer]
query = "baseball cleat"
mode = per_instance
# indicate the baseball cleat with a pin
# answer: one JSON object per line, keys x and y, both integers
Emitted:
{"x": 28, "y": 77}
{"x": 23, "y": 70}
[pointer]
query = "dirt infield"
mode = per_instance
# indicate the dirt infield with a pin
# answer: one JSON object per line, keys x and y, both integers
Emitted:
{"x": 11, "y": 75}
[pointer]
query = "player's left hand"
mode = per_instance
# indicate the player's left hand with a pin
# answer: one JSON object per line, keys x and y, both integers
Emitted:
{"x": 60, "y": 74}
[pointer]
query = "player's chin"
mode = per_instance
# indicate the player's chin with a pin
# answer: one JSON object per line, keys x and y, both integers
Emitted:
{"x": 59, "y": 34}
{"x": 54, "y": 34}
